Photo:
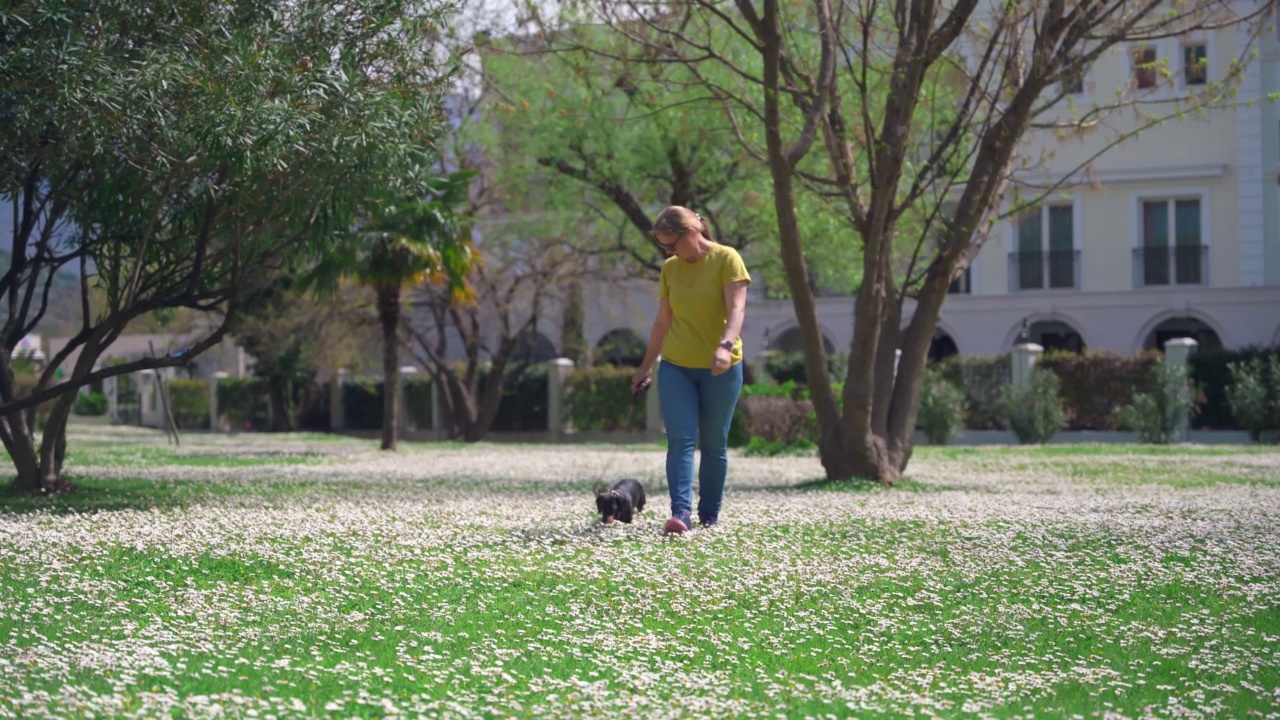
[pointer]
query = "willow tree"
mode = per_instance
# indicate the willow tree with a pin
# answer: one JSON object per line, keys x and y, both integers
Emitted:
{"x": 921, "y": 112}
{"x": 174, "y": 155}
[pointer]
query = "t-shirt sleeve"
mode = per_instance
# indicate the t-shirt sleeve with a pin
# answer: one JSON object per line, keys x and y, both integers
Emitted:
{"x": 664, "y": 290}
{"x": 733, "y": 270}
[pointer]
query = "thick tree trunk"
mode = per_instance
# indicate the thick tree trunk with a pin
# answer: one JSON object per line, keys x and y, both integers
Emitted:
{"x": 389, "y": 317}
{"x": 19, "y": 441}
{"x": 53, "y": 444}
{"x": 831, "y": 441}
{"x": 22, "y": 453}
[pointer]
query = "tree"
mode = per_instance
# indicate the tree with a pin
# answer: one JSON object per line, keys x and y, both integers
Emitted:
{"x": 496, "y": 327}
{"x": 174, "y": 156}
{"x": 294, "y": 337}
{"x": 921, "y": 112}
{"x": 404, "y": 241}
{"x": 588, "y": 140}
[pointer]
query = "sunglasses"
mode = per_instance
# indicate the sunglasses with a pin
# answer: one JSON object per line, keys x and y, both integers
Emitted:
{"x": 671, "y": 246}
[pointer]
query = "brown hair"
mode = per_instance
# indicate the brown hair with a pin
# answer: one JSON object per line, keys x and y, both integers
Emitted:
{"x": 675, "y": 219}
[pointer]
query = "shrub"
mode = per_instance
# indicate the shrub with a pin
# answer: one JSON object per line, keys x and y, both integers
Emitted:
{"x": 418, "y": 396}
{"x": 772, "y": 448}
{"x": 1254, "y": 396}
{"x": 941, "y": 413}
{"x": 1155, "y": 415}
{"x": 600, "y": 399}
{"x": 1211, "y": 372}
{"x": 786, "y": 367}
{"x": 189, "y": 403}
{"x": 1096, "y": 384}
{"x": 362, "y": 405}
{"x": 91, "y": 404}
{"x": 738, "y": 436}
{"x": 981, "y": 380}
{"x": 242, "y": 403}
{"x": 776, "y": 418}
{"x": 524, "y": 403}
{"x": 1034, "y": 413}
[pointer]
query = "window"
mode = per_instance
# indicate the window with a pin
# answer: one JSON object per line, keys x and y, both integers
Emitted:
{"x": 1195, "y": 64}
{"x": 962, "y": 285}
{"x": 1172, "y": 251}
{"x": 1143, "y": 60}
{"x": 1073, "y": 82}
{"x": 1046, "y": 257}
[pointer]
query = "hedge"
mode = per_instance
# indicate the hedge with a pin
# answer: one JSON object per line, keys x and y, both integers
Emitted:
{"x": 1210, "y": 373}
{"x": 189, "y": 403}
{"x": 599, "y": 399}
{"x": 980, "y": 377}
{"x": 1095, "y": 385}
{"x": 242, "y": 403}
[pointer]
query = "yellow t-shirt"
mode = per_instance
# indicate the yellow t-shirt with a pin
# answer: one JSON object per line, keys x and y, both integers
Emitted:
{"x": 699, "y": 313}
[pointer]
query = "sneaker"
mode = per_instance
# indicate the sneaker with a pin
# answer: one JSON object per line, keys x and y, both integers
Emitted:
{"x": 707, "y": 521}
{"x": 675, "y": 526}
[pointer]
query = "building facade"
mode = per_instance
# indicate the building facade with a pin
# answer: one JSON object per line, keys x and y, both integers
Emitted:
{"x": 1173, "y": 233}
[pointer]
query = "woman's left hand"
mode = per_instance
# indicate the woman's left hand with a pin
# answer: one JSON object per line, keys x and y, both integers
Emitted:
{"x": 721, "y": 361}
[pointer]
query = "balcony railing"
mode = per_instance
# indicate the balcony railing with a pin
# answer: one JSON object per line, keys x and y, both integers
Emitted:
{"x": 1171, "y": 265}
{"x": 1039, "y": 270}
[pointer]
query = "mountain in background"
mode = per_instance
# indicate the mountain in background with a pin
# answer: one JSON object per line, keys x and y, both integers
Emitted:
{"x": 63, "y": 315}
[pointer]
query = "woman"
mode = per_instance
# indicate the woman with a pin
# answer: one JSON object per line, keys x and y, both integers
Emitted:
{"x": 702, "y": 302}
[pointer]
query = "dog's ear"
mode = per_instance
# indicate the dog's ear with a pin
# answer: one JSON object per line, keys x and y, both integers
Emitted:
{"x": 602, "y": 490}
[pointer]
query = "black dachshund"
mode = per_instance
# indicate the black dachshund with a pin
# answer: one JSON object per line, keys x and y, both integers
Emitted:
{"x": 620, "y": 501}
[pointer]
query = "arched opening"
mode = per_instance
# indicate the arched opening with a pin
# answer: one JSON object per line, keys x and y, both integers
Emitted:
{"x": 533, "y": 347}
{"x": 1052, "y": 335}
{"x": 1182, "y": 327}
{"x": 942, "y": 346}
{"x": 621, "y": 346}
{"x": 790, "y": 340}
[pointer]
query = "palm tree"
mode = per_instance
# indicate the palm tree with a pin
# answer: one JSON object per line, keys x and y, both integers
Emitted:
{"x": 405, "y": 240}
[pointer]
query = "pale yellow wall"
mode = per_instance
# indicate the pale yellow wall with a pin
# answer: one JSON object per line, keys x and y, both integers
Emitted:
{"x": 1107, "y": 225}
{"x": 1106, "y": 217}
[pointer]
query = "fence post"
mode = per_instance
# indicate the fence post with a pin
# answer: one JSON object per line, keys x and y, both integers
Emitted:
{"x": 1024, "y": 361}
{"x": 1177, "y": 352}
{"x": 402, "y": 400}
{"x": 653, "y": 428}
{"x": 437, "y": 407}
{"x": 111, "y": 389}
{"x": 557, "y": 374}
{"x": 337, "y": 411}
{"x": 213, "y": 381}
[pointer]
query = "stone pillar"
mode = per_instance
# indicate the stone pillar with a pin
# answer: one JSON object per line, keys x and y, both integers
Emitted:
{"x": 214, "y": 424}
{"x": 437, "y": 408}
{"x": 653, "y": 428}
{"x": 1177, "y": 352}
{"x": 337, "y": 411}
{"x": 402, "y": 401}
{"x": 1024, "y": 361}
{"x": 110, "y": 388}
{"x": 557, "y": 418}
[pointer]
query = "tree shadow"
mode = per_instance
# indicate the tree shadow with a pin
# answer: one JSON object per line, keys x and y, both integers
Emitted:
{"x": 90, "y": 495}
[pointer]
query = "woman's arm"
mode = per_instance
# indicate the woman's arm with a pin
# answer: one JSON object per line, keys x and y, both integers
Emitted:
{"x": 735, "y": 300}
{"x": 661, "y": 324}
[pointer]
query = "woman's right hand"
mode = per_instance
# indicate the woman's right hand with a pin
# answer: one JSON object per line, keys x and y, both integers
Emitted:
{"x": 640, "y": 380}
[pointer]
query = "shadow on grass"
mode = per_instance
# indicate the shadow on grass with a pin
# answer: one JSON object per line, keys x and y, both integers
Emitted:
{"x": 88, "y": 495}
{"x": 856, "y": 486}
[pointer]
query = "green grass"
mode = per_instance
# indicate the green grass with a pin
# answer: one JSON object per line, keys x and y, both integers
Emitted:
{"x": 968, "y": 590}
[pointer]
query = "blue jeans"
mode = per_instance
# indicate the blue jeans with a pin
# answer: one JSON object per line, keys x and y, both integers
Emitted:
{"x": 697, "y": 408}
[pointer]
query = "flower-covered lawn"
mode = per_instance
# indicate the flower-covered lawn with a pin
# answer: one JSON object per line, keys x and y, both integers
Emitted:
{"x": 307, "y": 576}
